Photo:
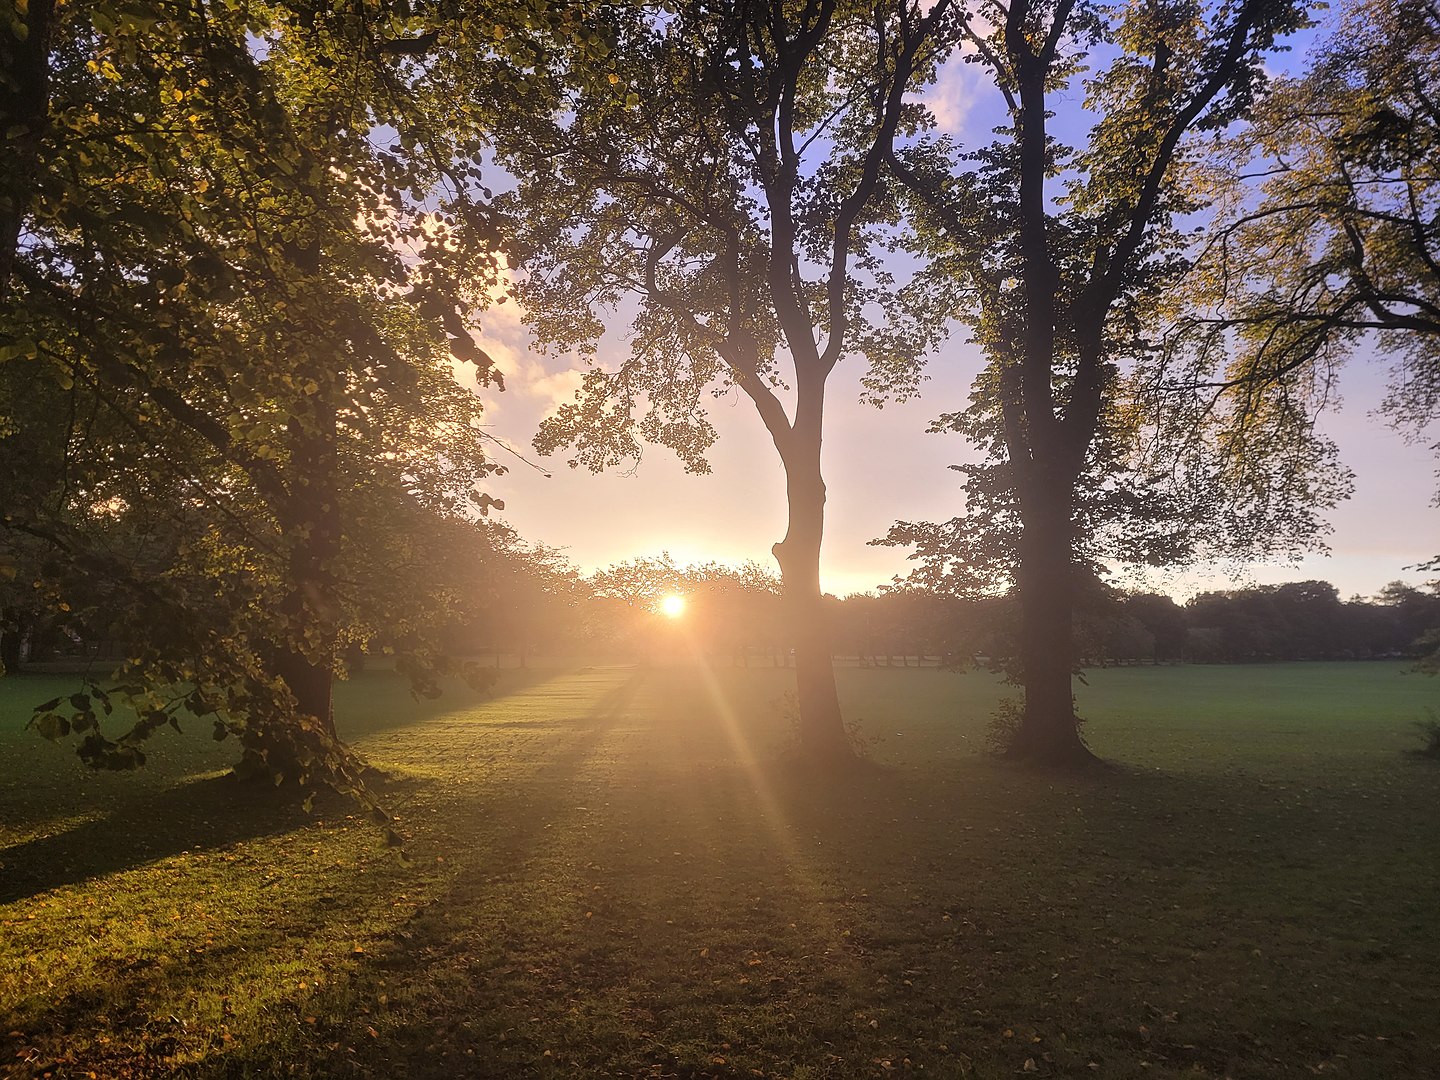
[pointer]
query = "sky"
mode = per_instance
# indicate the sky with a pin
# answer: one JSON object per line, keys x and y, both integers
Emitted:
{"x": 881, "y": 465}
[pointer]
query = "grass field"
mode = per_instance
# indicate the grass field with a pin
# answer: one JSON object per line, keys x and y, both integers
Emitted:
{"x": 615, "y": 872}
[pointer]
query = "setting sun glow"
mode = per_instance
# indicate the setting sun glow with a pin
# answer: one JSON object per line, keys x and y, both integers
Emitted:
{"x": 672, "y": 606}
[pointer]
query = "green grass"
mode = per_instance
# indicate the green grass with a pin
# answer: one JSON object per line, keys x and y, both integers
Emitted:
{"x": 614, "y": 872}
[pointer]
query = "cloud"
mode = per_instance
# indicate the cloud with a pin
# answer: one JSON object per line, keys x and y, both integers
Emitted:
{"x": 505, "y": 338}
{"x": 557, "y": 386}
{"x": 953, "y": 93}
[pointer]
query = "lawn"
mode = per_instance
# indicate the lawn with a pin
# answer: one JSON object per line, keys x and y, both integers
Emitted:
{"x": 618, "y": 871}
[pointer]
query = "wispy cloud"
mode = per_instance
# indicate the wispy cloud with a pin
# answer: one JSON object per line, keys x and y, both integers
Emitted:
{"x": 505, "y": 338}
{"x": 953, "y": 94}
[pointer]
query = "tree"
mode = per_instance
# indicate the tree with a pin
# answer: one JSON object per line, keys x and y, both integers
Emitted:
{"x": 24, "y": 118}
{"x": 730, "y": 611}
{"x": 1058, "y": 255}
{"x": 519, "y": 596}
{"x": 218, "y": 257}
{"x": 1341, "y": 238}
{"x": 728, "y": 187}
{"x": 1164, "y": 620}
{"x": 1337, "y": 244}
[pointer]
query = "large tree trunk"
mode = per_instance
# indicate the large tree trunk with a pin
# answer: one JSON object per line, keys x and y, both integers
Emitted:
{"x": 24, "y": 116}
{"x": 1049, "y": 731}
{"x": 822, "y": 730}
{"x": 12, "y": 638}
{"x": 306, "y": 660}
{"x": 312, "y": 684}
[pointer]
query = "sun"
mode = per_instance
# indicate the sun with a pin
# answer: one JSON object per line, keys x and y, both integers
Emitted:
{"x": 672, "y": 606}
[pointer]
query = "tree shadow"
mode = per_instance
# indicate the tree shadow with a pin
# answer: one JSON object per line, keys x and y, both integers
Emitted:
{"x": 380, "y": 701}
{"x": 499, "y": 835}
{"x": 632, "y": 900}
{"x": 200, "y": 815}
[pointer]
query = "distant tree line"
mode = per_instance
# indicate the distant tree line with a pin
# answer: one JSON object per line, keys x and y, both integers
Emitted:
{"x": 517, "y": 600}
{"x": 1302, "y": 620}
{"x": 542, "y": 606}
{"x": 1306, "y": 620}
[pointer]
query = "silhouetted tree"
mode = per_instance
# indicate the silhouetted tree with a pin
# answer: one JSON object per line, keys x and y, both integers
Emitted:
{"x": 1058, "y": 257}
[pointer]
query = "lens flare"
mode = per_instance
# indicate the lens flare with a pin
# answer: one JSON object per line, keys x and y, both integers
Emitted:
{"x": 672, "y": 606}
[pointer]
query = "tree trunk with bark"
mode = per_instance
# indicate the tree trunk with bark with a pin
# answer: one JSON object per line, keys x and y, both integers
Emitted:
{"x": 12, "y": 640}
{"x": 306, "y": 660}
{"x": 822, "y": 729}
{"x": 1049, "y": 731}
{"x": 24, "y": 117}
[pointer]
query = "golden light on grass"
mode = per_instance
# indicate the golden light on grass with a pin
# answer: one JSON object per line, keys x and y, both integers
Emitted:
{"x": 672, "y": 606}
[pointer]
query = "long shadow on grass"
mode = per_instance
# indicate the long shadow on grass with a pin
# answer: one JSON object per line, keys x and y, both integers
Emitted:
{"x": 196, "y": 816}
{"x": 380, "y": 701}
{"x": 1104, "y": 907}
{"x": 439, "y": 939}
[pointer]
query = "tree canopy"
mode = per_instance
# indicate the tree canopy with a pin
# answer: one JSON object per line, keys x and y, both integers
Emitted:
{"x": 245, "y": 269}
{"x": 1058, "y": 256}
{"x": 727, "y": 187}
{"x": 1328, "y": 240}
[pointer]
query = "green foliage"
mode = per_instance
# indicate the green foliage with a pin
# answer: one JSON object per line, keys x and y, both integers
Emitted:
{"x": 726, "y": 184}
{"x": 1004, "y": 725}
{"x": 1064, "y": 299}
{"x": 230, "y": 342}
{"x": 1328, "y": 234}
{"x": 1429, "y": 732}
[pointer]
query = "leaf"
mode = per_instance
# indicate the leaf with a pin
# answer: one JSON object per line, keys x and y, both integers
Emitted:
{"x": 51, "y": 726}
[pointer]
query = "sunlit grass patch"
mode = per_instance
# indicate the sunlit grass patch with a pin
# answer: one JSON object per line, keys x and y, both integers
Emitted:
{"x": 620, "y": 872}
